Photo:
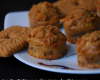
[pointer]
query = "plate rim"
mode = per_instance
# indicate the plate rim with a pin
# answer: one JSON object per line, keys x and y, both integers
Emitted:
{"x": 65, "y": 71}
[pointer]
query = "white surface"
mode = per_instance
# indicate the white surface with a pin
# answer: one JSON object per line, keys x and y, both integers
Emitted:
{"x": 21, "y": 19}
{"x": 16, "y": 18}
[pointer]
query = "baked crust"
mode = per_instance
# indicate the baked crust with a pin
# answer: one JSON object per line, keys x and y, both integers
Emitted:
{"x": 79, "y": 22}
{"x": 44, "y": 13}
{"x": 88, "y": 4}
{"x": 88, "y": 50}
{"x": 47, "y": 42}
{"x": 66, "y": 6}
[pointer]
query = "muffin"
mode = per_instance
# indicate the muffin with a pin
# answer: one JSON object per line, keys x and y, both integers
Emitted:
{"x": 88, "y": 4}
{"x": 66, "y": 6}
{"x": 47, "y": 42}
{"x": 79, "y": 22}
{"x": 43, "y": 14}
{"x": 98, "y": 7}
{"x": 88, "y": 50}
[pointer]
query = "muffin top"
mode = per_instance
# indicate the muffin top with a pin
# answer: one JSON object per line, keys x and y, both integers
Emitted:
{"x": 89, "y": 43}
{"x": 81, "y": 20}
{"x": 46, "y": 35}
{"x": 44, "y": 11}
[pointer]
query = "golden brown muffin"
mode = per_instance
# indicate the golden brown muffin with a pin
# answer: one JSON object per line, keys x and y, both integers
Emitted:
{"x": 88, "y": 50}
{"x": 79, "y": 22}
{"x": 98, "y": 7}
{"x": 47, "y": 42}
{"x": 44, "y": 13}
{"x": 88, "y": 4}
{"x": 66, "y": 6}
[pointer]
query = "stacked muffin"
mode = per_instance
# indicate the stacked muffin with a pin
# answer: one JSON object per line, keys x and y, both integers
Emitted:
{"x": 46, "y": 41}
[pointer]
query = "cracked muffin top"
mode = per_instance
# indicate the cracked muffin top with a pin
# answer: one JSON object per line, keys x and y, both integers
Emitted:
{"x": 46, "y": 35}
{"x": 44, "y": 11}
{"x": 81, "y": 19}
{"x": 89, "y": 43}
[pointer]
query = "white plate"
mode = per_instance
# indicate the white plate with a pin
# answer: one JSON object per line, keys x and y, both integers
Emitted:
{"x": 21, "y": 19}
